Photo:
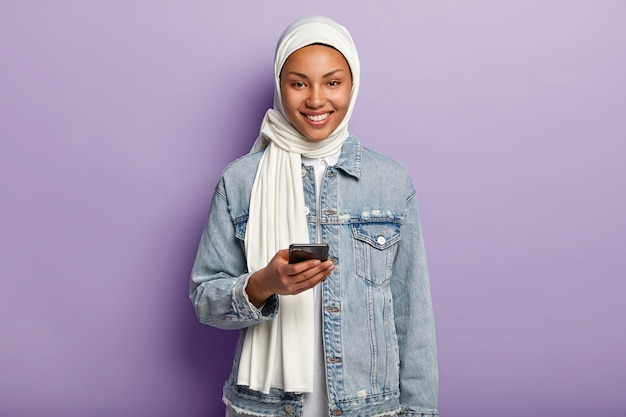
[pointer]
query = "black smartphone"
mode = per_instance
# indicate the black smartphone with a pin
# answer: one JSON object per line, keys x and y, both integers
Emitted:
{"x": 299, "y": 252}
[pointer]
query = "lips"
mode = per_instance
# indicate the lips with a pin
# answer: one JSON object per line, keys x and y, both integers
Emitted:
{"x": 317, "y": 117}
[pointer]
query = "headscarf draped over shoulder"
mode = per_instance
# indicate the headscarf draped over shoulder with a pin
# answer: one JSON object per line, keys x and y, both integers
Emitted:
{"x": 279, "y": 353}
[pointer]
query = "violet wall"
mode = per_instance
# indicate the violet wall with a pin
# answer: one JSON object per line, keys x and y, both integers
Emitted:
{"x": 117, "y": 117}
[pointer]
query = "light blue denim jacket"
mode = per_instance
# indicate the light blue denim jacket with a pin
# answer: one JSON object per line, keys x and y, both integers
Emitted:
{"x": 378, "y": 329}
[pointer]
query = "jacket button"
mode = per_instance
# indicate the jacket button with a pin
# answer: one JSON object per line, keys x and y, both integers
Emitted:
{"x": 289, "y": 408}
{"x": 337, "y": 412}
{"x": 303, "y": 172}
{"x": 307, "y": 211}
{"x": 334, "y": 360}
{"x": 381, "y": 240}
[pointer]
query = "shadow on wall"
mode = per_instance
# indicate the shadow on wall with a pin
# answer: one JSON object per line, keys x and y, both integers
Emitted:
{"x": 204, "y": 354}
{"x": 208, "y": 352}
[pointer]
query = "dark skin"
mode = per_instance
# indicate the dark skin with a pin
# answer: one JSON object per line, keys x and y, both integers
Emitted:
{"x": 316, "y": 82}
{"x": 282, "y": 278}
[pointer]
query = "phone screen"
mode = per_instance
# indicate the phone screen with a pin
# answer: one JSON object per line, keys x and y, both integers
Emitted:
{"x": 299, "y": 252}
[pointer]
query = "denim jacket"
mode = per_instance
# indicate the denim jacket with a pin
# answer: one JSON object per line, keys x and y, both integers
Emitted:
{"x": 378, "y": 328}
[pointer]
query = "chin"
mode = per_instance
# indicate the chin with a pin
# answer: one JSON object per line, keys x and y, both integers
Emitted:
{"x": 315, "y": 136}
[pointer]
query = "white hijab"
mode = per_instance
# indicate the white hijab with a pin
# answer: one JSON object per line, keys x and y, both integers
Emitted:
{"x": 279, "y": 353}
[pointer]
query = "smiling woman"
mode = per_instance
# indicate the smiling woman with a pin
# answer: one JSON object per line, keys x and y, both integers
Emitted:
{"x": 316, "y": 84}
{"x": 306, "y": 180}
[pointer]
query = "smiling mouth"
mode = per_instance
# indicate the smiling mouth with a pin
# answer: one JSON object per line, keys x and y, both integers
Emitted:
{"x": 317, "y": 117}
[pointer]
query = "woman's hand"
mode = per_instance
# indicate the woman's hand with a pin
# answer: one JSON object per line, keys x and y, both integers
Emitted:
{"x": 282, "y": 278}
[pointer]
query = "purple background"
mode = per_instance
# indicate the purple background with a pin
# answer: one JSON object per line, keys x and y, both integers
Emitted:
{"x": 117, "y": 117}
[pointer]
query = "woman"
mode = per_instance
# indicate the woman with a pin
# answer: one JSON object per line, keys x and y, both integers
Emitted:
{"x": 350, "y": 336}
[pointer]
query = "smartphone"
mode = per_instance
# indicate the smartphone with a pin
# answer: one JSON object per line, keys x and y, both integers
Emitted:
{"x": 299, "y": 252}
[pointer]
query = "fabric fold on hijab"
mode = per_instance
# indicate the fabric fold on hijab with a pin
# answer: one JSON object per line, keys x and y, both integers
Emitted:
{"x": 279, "y": 353}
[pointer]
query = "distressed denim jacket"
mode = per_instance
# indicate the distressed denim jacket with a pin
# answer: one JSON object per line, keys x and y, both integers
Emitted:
{"x": 378, "y": 330}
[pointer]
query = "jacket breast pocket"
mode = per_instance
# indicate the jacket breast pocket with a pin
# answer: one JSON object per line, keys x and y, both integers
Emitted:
{"x": 375, "y": 246}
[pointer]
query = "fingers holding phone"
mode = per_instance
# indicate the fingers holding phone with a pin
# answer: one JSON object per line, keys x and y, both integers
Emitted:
{"x": 313, "y": 272}
{"x": 290, "y": 275}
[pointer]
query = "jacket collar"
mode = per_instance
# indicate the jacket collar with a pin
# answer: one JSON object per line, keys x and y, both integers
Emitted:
{"x": 350, "y": 157}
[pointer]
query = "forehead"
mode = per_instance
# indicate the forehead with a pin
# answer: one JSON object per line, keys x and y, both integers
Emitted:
{"x": 315, "y": 58}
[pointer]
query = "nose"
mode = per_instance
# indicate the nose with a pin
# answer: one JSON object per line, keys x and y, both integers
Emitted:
{"x": 316, "y": 98}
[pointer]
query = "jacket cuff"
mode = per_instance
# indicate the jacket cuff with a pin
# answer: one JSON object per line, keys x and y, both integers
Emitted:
{"x": 245, "y": 309}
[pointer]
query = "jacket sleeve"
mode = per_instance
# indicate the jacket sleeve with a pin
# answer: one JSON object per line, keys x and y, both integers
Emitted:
{"x": 414, "y": 320}
{"x": 219, "y": 275}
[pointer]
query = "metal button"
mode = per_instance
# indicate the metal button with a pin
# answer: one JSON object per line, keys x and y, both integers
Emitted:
{"x": 303, "y": 172}
{"x": 289, "y": 408}
{"x": 337, "y": 412}
{"x": 306, "y": 211}
{"x": 329, "y": 212}
{"x": 381, "y": 240}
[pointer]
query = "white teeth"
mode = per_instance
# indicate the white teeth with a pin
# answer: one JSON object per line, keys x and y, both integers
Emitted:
{"x": 318, "y": 117}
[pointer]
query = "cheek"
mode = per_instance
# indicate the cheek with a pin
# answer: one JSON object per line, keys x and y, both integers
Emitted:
{"x": 290, "y": 108}
{"x": 343, "y": 99}
{"x": 289, "y": 102}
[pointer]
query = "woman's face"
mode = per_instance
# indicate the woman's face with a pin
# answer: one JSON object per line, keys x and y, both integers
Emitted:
{"x": 315, "y": 85}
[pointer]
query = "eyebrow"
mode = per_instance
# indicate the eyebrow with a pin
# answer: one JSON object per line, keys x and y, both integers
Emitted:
{"x": 328, "y": 74}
